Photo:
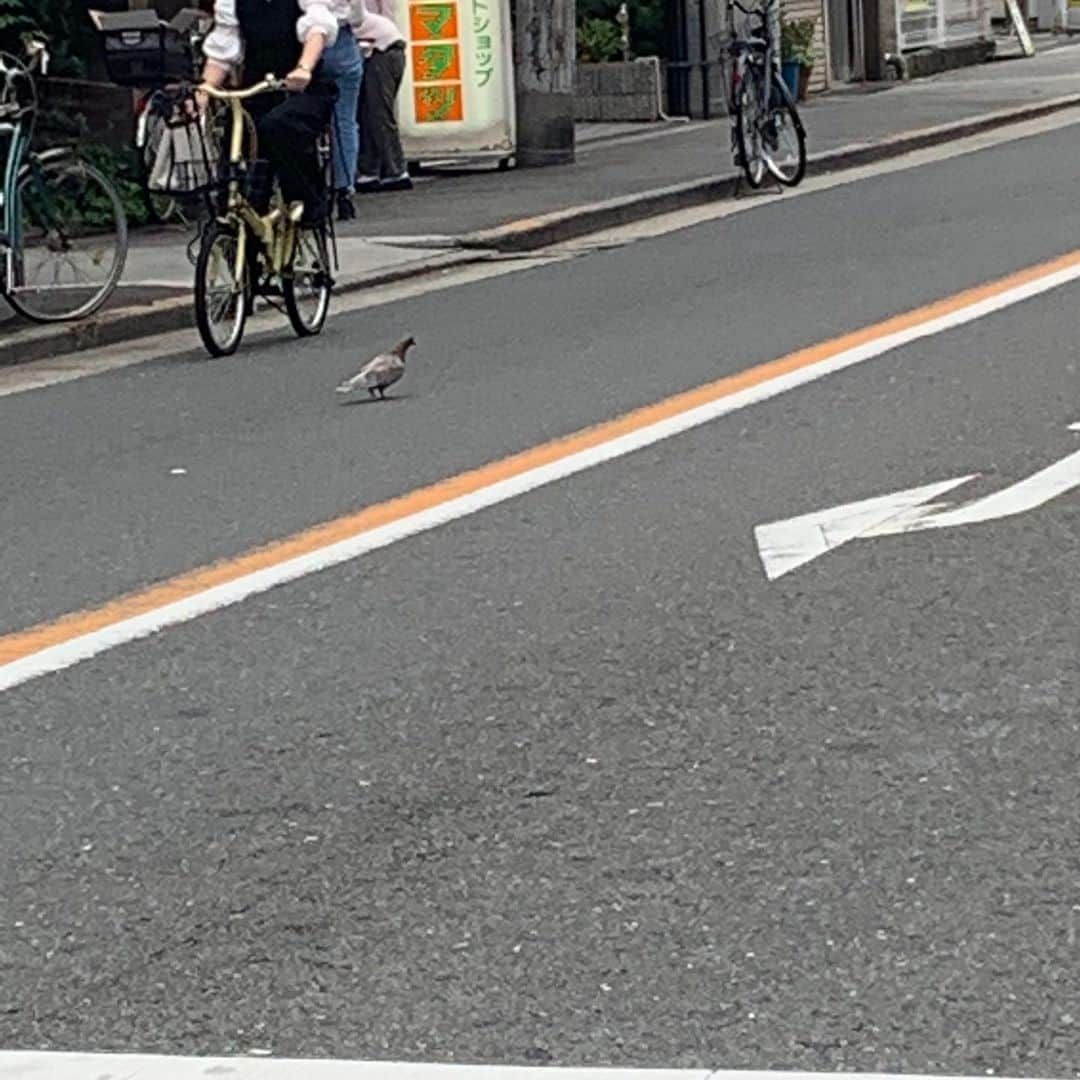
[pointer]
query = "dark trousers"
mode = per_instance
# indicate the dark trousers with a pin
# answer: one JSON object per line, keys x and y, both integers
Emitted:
{"x": 288, "y": 130}
{"x": 381, "y": 154}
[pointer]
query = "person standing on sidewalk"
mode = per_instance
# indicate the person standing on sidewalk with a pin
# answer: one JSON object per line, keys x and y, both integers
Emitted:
{"x": 382, "y": 160}
{"x": 343, "y": 63}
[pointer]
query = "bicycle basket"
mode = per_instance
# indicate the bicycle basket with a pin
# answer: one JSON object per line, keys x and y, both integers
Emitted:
{"x": 254, "y": 179}
{"x": 181, "y": 153}
{"x": 142, "y": 51}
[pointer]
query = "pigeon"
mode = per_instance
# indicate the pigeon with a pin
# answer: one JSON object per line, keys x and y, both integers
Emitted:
{"x": 381, "y": 372}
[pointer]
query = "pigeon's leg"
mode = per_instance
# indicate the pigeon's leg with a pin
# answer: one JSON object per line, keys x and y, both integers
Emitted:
{"x": 371, "y": 391}
{"x": 382, "y": 393}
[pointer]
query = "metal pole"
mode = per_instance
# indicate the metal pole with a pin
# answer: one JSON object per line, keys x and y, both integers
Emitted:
{"x": 623, "y": 19}
{"x": 706, "y": 109}
{"x": 679, "y": 72}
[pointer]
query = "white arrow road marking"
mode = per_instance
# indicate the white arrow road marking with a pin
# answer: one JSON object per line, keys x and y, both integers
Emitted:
{"x": 786, "y": 545}
{"x": 1027, "y": 495}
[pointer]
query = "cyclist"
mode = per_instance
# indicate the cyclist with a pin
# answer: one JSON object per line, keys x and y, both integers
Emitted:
{"x": 265, "y": 37}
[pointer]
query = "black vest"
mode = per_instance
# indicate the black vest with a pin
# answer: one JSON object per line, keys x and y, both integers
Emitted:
{"x": 268, "y": 28}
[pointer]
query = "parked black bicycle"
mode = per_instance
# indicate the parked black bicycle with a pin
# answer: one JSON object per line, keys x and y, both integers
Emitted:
{"x": 148, "y": 55}
{"x": 766, "y": 132}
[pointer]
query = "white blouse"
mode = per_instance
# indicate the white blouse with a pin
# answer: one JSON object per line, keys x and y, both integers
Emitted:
{"x": 372, "y": 30}
{"x": 225, "y": 45}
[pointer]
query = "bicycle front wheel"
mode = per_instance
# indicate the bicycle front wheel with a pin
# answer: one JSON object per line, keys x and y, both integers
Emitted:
{"x": 72, "y": 241}
{"x": 307, "y": 288}
{"x": 749, "y": 100}
{"x": 784, "y": 139}
{"x": 221, "y": 291}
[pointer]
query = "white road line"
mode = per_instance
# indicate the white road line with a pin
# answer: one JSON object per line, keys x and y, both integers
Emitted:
{"x": 91, "y": 643}
{"x": 36, "y": 1065}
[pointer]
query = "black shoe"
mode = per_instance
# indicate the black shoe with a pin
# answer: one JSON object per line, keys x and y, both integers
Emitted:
{"x": 346, "y": 210}
{"x": 366, "y": 187}
{"x": 401, "y": 183}
{"x": 268, "y": 288}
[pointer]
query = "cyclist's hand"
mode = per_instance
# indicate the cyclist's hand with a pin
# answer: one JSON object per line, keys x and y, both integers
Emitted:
{"x": 298, "y": 80}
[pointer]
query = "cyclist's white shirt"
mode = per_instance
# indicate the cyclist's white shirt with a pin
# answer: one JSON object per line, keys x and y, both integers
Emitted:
{"x": 225, "y": 44}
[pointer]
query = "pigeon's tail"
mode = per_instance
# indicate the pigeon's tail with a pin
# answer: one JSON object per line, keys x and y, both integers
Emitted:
{"x": 349, "y": 385}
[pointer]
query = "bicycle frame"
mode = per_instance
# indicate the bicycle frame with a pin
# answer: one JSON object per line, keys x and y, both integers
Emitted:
{"x": 20, "y": 141}
{"x": 19, "y": 131}
{"x": 757, "y": 44}
{"x": 275, "y": 231}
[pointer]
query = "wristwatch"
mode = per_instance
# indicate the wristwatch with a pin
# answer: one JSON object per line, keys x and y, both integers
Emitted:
{"x": 303, "y": 67}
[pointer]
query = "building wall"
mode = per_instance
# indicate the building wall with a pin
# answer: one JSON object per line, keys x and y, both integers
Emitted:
{"x": 936, "y": 24}
{"x": 812, "y": 9}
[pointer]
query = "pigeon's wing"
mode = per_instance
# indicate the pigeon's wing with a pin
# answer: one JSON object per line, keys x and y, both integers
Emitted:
{"x": 370, "y": 375}
{"x": 392, "y": 371}
{"x": 381, "y": 371}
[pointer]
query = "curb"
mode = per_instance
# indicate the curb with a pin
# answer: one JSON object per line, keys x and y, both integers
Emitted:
{"x": 523, "y": 235}
{"x": 176, "y": 313}
{"x": 527, "y": 234}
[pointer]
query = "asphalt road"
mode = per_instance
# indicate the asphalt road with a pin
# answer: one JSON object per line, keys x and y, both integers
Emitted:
{"x": 569, "y": 781}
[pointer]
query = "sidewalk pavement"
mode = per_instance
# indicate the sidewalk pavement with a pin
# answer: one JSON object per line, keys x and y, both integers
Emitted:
{"x": 632, "y": 170}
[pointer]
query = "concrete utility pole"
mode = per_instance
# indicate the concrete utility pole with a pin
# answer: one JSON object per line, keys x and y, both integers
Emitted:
{"x": 545, "y": 58}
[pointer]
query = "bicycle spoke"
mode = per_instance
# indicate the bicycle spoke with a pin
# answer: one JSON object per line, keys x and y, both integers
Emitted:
{"x": 220, "y": 296}
{"x": 74, "y": 240}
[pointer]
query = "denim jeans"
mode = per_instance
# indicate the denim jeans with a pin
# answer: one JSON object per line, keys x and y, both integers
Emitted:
{"x": 344, "y": 64}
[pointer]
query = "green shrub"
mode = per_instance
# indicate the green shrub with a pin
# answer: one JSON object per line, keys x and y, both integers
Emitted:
{"x": 64, "y": 23}
{"x": 647, "y": 37}
{"x": 797, "y": 40}
{"x": 598, "y": 41}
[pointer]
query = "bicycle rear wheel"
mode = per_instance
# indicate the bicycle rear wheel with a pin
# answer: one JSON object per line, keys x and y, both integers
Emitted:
{"x": 748, "y": 107}
{"x": 307, "y": 288}
{"x": 72, "y": 241}
{"x": 222, "y": 298}
{"x": 784, "y": 141}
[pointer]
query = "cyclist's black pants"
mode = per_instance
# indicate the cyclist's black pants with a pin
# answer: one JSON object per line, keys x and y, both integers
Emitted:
{"x": 289, "y": 128}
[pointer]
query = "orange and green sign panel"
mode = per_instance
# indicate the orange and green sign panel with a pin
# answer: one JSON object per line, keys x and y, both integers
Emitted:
{"x": 436, "y": 63}
{"x": 458, "y": 93}
{"x": 433, "y": 22}
{"x": 438, "y": 104}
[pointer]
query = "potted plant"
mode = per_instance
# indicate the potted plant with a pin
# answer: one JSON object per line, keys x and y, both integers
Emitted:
{"x": 797, "y": 54}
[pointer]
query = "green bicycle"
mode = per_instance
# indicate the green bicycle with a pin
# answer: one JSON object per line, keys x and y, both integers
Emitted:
{"x": 63, "y": 232}
{"x": 243, "y": 253}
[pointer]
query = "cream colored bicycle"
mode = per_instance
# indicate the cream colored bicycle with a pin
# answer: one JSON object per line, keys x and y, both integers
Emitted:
{"x": 243, "y": 253}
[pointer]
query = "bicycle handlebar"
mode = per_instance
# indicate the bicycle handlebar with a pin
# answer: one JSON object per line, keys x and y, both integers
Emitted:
{"x": 270, "y": 84}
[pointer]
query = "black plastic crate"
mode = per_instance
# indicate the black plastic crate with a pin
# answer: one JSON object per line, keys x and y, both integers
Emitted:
{"x": 143, "y": 51}
{"x": 146, "y": 57}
